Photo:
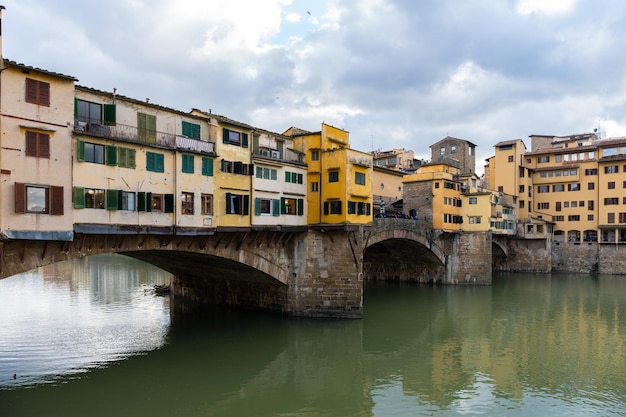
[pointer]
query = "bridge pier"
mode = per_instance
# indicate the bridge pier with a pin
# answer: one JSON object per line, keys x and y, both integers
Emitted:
{"x": 468, "y": 259}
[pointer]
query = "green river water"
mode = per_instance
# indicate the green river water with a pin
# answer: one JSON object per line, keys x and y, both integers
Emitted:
{"x": 87, "y": 338}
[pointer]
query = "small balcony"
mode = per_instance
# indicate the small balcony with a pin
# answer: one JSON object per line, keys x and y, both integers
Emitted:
{"x": 143, "y": 136}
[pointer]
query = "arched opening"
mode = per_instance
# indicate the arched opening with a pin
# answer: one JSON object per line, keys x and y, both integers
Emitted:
{"x": 559, "y": 236}
{"x": 573, "y": 236}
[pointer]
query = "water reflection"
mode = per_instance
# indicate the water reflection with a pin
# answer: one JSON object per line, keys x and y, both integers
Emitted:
{"x": 72, "y": 316}
{"x": 528, "y": 345}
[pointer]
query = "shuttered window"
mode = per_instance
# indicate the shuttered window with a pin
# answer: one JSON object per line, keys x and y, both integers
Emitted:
{"x": 37, "y": 144}
{"x": 38, "y": 199}
{"x": 155, "y": 162}
{"x": 37, "y": 92}
{"x": 191, "y": 130}
{"x": 207, "y": 167}
{"x": 188, "y": 164}
{"x": 146, "y": 128}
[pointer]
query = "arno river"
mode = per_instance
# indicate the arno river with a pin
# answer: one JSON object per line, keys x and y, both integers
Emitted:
{"x": 85, "y": 338}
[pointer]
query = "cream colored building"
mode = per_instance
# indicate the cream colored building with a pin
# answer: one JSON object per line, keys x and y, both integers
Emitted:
{"x": 35, "y": 152}
{"x": 279, "y": 183}
{"x": 387, "y": 190}
{"x": 140, "y": 164}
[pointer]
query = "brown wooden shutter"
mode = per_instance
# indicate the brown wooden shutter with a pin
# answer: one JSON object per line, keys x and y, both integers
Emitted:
{"x": 20, "y": 198}
{"x": 56, "y": 200}
{"x": 31, "y": 143}
{"x": 44, "y": 94}
{"x": 44, "y": 145}
{"x": 31, "y": 91}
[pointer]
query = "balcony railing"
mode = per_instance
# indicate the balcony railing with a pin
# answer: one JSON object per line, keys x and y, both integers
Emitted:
{"x": 144, "y": 136}
{"x": 287, "y": 155}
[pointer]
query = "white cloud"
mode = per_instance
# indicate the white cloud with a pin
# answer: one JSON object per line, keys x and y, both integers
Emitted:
{"x": 549, "y": 7}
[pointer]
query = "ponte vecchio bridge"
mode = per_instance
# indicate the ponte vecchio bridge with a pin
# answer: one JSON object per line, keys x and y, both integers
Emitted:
{"x": 314, "y": 271}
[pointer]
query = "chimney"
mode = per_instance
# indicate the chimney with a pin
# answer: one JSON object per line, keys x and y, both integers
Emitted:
{"x": 1, "y": 56}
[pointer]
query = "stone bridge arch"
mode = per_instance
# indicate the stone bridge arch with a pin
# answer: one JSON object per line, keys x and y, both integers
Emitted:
{"x": 262, "y": 252}
{"x": 404, "y": 250}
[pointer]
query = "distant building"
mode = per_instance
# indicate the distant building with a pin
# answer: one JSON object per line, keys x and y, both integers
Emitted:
{"x": 398, "y": 159}
{"x": 455, "y": 152}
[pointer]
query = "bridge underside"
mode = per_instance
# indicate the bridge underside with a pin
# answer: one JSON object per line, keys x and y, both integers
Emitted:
{"x": 402, "y": 260}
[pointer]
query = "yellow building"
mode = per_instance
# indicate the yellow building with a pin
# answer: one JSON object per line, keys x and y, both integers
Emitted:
{"x": 387, "y": 190}
{"x": 339, "y": 178}
{"x": 35, "y": 153}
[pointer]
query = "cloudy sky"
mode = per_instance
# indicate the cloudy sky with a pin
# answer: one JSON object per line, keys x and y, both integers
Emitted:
{"x": 394, "y": 73}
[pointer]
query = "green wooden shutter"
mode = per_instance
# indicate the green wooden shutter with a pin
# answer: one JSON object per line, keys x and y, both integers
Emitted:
{"x": 112, "y": 199}
{"x": 109, "y": 114}
{"x": 132, "y": 158}
{"x": 246, "y": 204}
{"x": 300, "y": 178}
{"x": 188, "y": 167}
{"x": 276, "y": 207}
{"x": 225, "y": 136}
{"x": 160, "y": 162}
{"x": 287, "y": 176}
{"x": 244, "y": 140}
{"x": 80, "y": 150}
{"x": 141, "y": 201}
{"x": 207, "y": 167}
{"x": 283, "y": 207}
{"x": 326, "y": 208}
{"x": 151, "y": 128}
{"x": 195, "y": 131}
{"x": 79, "y": 197}
{"x": 148, "y": 202}
{"x": 273, "y": 174}
{"x": 111, "y": 155}
{"x": 257, "y": 206}
{"x": 300, "y": 207}
{"x": 186, "y": 129}
{"x": 169, "y": 203}
{"x": 141, "y": 127}
{"x": 280, "y": 148}
{"x": 75, "y": 107}
{"x": 150, "y": 163}
{"x": 228, "y": 205}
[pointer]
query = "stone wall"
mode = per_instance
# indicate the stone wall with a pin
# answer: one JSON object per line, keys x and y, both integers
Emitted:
{"x": 612, "y": 259}
{"x": 527, "y": 255}
{"x": 570, "y": 257}
{"x": 469, "y": 258}
{"x": 418, "y": 196}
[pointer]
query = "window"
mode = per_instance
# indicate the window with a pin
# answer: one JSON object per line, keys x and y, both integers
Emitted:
{"x": 315, "y": 187}
{"x": 156, "y": 203}
{"x": 510, "y": 158}
{"x": 231, "y": 137}
{"x": 590, "y": 204}
{"x": 94, "y": 198}
{"x": 543, "y": 159}
{"x": 359, "y": 178}
{"x": 573, "y": 218}
{"x": 332, "y": 207}
{"x": 474, "y": 219}
{"x": 566, "y": 204}
{"x": 522, "y": 204}
{"x": 266, "y": 206}
{"x": 236, "y": 167}
{"x": 188, "y": 164}
{"x": 521, "y": 189}
{"x": 186, "y": 203}
{"x": 442, "y": 151}
{"x": 206, "y": 204}
{"x": 452, "y": 149}
{"x": 590, "y": 217}
{"x": 191, "y": 130}
{"x": 473, "y": 200}
{"x": 611, "y": 185}
{"x": 146, "y": 128}
{"x": 207, "y": 167}
{"x": 293, "y": 177}
{"x": 37, "y": 92}
{"x": 38, "y": 199}
{"x": 591, "y": 171}
{"x": 611, "y": 201}
{"x": 88, "y": 112}
{"x": 333, "y": 176}
{"x": 500, "y": 188}
{"x": 558, "y": 206}
{"x": 610, "y": 218}
{"x": 315, "y": 155}
{"x": 558, "y": 188}
{"x": 127, "y": 201}
{"x": 573, "y": 187}
{"x": 543, "y": 189}
{"x": 558, "y": 158}
{"x": 543, "y": 206}
{"x": 237, "y": 204}
{"x": 611, "y": 169}
{"x": 37, "y": 144}
{"x": 609, "y": 152}
{"x": 289, "y": 205}
{"x": 591, "y": 185}
{"x": 437, "y": 185}
{"x": 155, "y": 162}
{"x": 558, "y": 218}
